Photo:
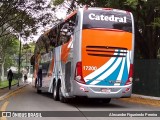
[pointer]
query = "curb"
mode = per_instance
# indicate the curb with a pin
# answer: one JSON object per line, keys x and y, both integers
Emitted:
{"x": 145, "y": 97}
{"x": 7, "y": 86}
{"x": 20, "y": 87}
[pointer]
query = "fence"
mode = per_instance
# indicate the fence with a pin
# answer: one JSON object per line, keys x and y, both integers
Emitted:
{"x": 147, "y": 77}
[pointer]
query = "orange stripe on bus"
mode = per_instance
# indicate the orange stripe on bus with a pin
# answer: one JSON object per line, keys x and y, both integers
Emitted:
{"x": 51, "y": 67}
{"x": 65, "y": 51}
{"x": 70, "y": 15}
{"x": 37, "y": 60}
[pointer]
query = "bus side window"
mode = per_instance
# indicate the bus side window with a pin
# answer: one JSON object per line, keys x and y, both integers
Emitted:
{"x": 52, "y": 37}
{"x": 66, "y": 29}
{"x": 57, "y": 43}
{"x": 65, "y": 33}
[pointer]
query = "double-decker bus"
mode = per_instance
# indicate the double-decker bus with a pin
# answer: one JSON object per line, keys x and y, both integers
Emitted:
{"x": 88, "y": 54}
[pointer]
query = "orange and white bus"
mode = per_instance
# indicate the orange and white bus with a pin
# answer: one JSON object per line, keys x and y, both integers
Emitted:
{"x": 88, "y": 54}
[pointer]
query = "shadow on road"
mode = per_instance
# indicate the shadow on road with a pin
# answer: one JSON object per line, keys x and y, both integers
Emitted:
{"x": 87, "y": 103}
{"x": 93, "y": 103}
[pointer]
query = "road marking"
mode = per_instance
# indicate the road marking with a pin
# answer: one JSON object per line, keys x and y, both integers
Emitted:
{"x": 12, "y": 93}
{"x": 7, "y": 96}
{"x": 3, "y": 108}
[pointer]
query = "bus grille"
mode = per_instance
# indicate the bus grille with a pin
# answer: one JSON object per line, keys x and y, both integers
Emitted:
{"x": 106, "y": 51}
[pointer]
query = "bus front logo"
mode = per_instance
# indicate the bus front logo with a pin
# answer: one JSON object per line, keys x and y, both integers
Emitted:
{"x": 111, "y": 18}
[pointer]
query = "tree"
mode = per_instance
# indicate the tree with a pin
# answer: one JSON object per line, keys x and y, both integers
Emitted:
{"x": 147, "y": 22}
{"x": 58, "y": 2}
{"x": 27, "y": 52}
{"x": 21, "y": 16}
{"x": 65, "y": 4}
{"x": 8, "y": 47}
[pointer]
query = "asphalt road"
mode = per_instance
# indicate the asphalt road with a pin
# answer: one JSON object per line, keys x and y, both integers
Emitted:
{"x": 26, "y": 99}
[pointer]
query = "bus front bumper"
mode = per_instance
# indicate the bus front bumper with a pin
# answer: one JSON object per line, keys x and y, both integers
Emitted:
{"x": 94, "y": 91}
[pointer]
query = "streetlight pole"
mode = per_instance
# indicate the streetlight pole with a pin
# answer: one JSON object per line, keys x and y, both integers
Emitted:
{"x": 19, "y": 59}
{"x": 0, "y": 74}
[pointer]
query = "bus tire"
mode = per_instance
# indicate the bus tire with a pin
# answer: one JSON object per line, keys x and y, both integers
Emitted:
{"x": 55, "y": 92}
{"x": 107, "y": 100}
{"x": 61, "y": 97}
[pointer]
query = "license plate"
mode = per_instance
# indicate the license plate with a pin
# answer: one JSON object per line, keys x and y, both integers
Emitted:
{"x": 105, "y": 90}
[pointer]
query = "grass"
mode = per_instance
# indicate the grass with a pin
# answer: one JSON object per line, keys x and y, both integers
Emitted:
{"x": 4, "y": 83}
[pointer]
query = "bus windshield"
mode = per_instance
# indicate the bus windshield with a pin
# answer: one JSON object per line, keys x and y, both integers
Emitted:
{"x": 107, "y": 19}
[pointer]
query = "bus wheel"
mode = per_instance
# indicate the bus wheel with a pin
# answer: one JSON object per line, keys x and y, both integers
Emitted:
{"x": 107, "y": 100}
{"x": 61, "y": 97}
{"x": 55, "y": 92}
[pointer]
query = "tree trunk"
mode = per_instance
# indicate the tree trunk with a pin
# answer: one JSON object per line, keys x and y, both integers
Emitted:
{"x": 2, "y": 69}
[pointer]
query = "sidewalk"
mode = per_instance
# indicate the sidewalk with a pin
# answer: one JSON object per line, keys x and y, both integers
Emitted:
{"x": 4, "y": 91}
{"x": 142, "y": 99}
{"x": 145, "y": 97}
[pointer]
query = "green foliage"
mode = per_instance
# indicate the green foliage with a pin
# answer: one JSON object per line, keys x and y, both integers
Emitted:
{"x": 8, "y": 47}
{"x": 29, "y": 47}
{"x": 57, "y": 2}
{"x": 156, "y": 22}
{"x": 132, "y": 3}
{"x": 21, "y": 16}
{"x": 27, "y": 52}
{"x": 5, "y": 83}
{"x": 92, "y": 3}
